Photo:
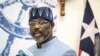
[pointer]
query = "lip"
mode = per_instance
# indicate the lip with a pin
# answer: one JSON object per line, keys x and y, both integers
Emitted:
{"x": 37, "y": 34}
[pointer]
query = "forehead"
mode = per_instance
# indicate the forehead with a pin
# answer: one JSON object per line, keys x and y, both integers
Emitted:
{"x": 39, "y": 20}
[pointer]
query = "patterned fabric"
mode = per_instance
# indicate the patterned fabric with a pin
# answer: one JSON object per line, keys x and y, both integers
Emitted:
{"x": 41, "y": 12}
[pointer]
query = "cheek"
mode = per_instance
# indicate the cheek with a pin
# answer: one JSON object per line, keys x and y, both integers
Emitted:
{"x": 31, "y": 29}
{"x": 47, "y": 27}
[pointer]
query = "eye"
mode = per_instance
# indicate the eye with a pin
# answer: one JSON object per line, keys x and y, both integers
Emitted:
{"x": 31, "y": 23}
{"x": 44, "y": 22}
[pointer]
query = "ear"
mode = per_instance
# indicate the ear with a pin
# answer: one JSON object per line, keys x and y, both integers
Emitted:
{"x": 52, "y": 24}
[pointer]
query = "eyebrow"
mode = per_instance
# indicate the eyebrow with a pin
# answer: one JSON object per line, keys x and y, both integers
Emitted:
{"x": 40, "y": 20}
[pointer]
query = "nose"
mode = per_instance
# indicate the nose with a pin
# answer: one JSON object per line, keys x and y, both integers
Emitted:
{"x": 36, "y": 27}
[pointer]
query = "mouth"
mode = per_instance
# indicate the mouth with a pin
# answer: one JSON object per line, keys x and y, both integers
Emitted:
{"x": 37, "y": 34}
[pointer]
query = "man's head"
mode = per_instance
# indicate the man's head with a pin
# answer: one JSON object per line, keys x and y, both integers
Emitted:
{"x": 41, "y": 24}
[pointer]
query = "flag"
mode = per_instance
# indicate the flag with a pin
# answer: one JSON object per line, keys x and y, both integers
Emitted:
{"x": 88, "y": 31}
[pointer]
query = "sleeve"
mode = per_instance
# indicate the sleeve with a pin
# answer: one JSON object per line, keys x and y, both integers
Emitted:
{"x": 70, "y": 53}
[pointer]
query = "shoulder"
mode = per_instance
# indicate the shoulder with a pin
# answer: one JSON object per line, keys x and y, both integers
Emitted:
{"x": 62, "y": 45}
{"x": 70, "y": 53}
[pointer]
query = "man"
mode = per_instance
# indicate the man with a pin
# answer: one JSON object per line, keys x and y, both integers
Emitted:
{"x": 41, "y": 25}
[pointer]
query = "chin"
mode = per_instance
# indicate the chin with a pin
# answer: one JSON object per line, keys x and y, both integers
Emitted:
{"x": 40, "y": 40}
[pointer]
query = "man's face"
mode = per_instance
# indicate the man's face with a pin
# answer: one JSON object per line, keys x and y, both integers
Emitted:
{"x": 40, "y": 29}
